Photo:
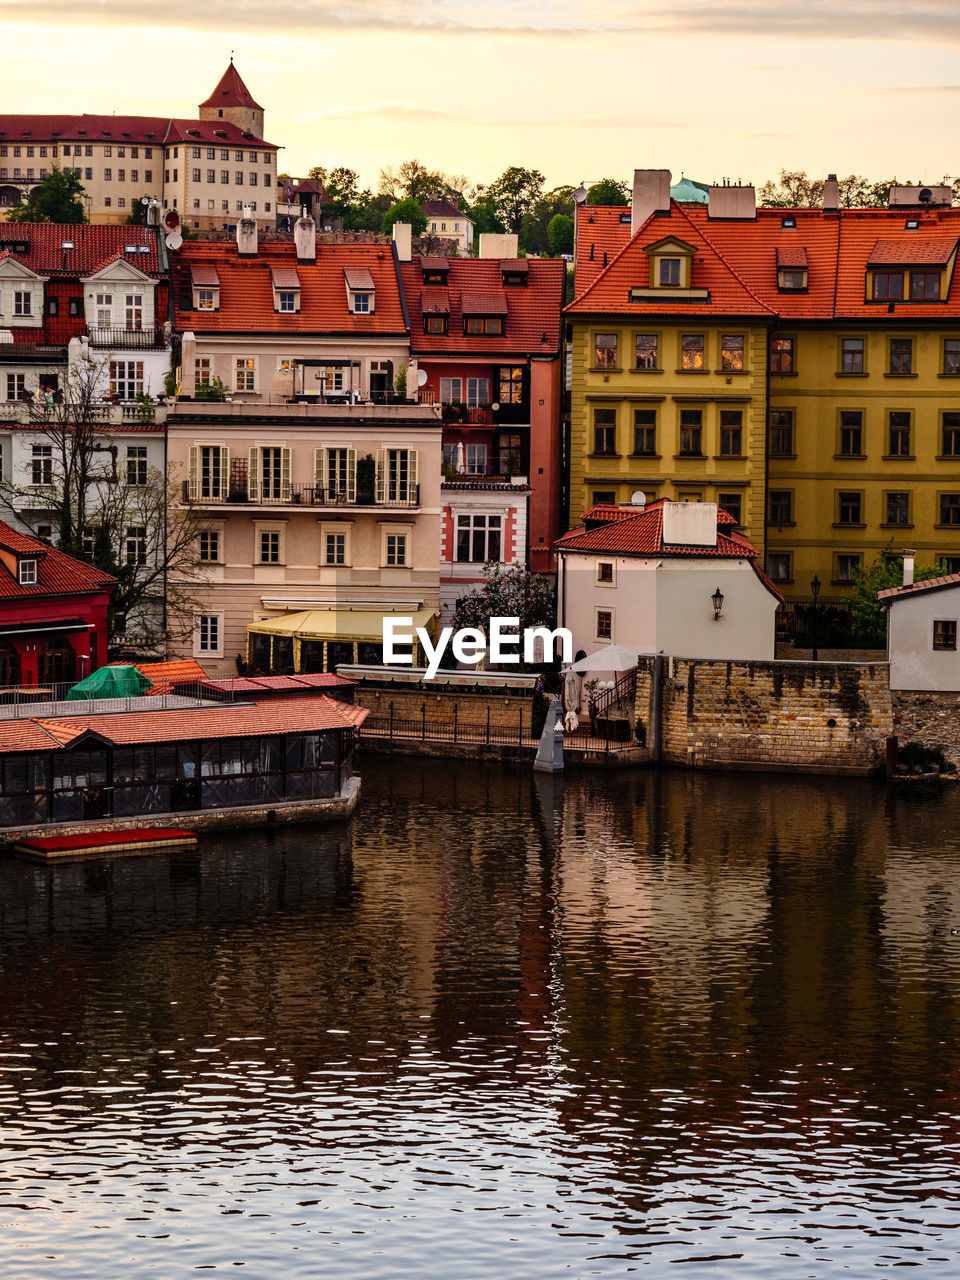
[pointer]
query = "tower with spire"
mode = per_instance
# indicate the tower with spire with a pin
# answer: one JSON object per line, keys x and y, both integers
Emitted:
{"x": 232, "y": 101}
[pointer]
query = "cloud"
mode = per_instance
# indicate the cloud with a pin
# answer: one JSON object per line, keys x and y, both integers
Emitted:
{"x": 931, "y": 20}
{"x": 403, "y": 113}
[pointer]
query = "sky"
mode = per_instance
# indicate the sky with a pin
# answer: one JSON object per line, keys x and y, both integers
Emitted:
{"x": 711, "y": 88}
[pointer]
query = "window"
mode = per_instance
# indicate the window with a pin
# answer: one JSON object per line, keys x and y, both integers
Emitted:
{"x": 121, "y": 152}
{"x": 951, "y": 355}
{"x": 791, "y": 279}
{"x": 478, "y": 392}
{"x": 483, "y": 324}
{"x": 397, "y": 476}
{"x": 731, "y": 433}
{"x": 246, "y": 375}
{"x": 75, "y": 307}
{"x": 104, "y": 310}
{"x": 253, "y": 179}
{"x": 224, "y": 154}
{"x": 211, "y": 175}
{"x": 238, "y": 179}
{"x": 362, "y": 303}
{"x": 899, "y": 435}
{"x": 336, "y": 473}
{"x": 27, "y": 573}
{"x": 208, "y": 633}
{"x": 949, "y": 508}
{"x": 475, "y": 459}
{"x": 435, "y": 324}
{"x": 849, "y": 504}
{"x": 691, "y": 351}
{"x": 781, "y": 433}
{"x": 396, "y": 549}
{"x": 897, "y": 508}
{"x": 924, "y": 286}
{"x": 201, "y": 371}
{"x": 335, "y": 548}
{"x": 53, "y": 306}
{"x": 647, "y": 351}
{"x": 224, "y": 175}
{"x": 601, "y": 496}
{"x": 136, "y": 464}
{"x": 22, "y": 302}
{"x": 15, "y": 386}
{"x": 135, "y": 547}
{"x": 479, "y": 538}
{"x": 778, "y": 566}
{"x": 848, "y": 566}
{"x": 126, "y": 379}
{"x": 133, "y": 311}
{"x": 238, "y": 156}
{"x": 206, "y": 299}
{"x": 605, "y": 351}
{"x": 851, "y": 355}
{"x": 148, "y": 173}
{"x": 851, "y": 433}
{"x": 669, "y": 271}
{"x": 511, "y": 385}
{"x": 944, "y": 632}
{"x": 42, "y": 464}
{"x": 731, "y": 503}
{"x": 887, "y": 285}
{"x": 195, "y": 175}
{"x": 645, "y": 431}
{"x": 604, "y": 624}
{"x": 121, "y": 175}
{"x": 605, "y": 572}
{"x": 270, "y": 469}
{"x": 269, "y": 542}
{"x": 210, "y": 546}
{"x": 901, "y": 355}
{"x": 88, "y": 174}
{"x": 780, "y": 506}
{"x": 731, "y": 353}
{"x": 287, "y": 300}
{"x": 781, "y": 355}
{"x": 950, "y": 442}
{"x": 108, "y": 175}
{"x": 605, "y": 431}
{"x": 691, "y": 432}
{"x": 208, "y": 471}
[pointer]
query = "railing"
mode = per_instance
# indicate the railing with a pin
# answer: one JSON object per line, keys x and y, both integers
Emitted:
{"x": 425, "y": 729}
{"x": 828, "y": 626}
{"x": 32, "y": 353}
{"x": 126, "y": 339}
{"x": 50, "y": 699}
{"x": 30, "y": 411}
{"x": 621, "y": 697}
{"x": 299, "y": 494}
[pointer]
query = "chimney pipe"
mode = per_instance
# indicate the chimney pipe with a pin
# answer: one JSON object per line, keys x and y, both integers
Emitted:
{"x": 908, "y": 555}
{"x": 651, "y": 194}
{"x": 305, "y": 238}
{"x": 831, "y": 193}
{"x": 403, "y": 239}
{"x": 247, "y": 234}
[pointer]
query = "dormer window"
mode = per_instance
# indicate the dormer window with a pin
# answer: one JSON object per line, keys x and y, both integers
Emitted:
{"x": 514, "y": 272}
{"x": 286, "y": 290}
{"x": 28, "y": 573}
{"x": 888, "y": 284}
{"x": 483, "y": 313}
{"x": 361, "y": 295}
{"x": 924, "y": 286}
{"x": 669, "y": 271}
{"x": 671, "y": 263}
{"x": 483, "y": 324}
{"x": 434, "y": 324}
{"x": 435, "y": 268}
{"x": 206, "y": 288}
{"x": 788, "y": 222}
{"x": 910, "y": 267}
{"x": 792, "y": 269}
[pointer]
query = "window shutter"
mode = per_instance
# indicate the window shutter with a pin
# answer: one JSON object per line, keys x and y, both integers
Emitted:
{"x": 253, "y": 476}
{"x": 192, "y": 485}
{"x": 381, "y": 475}
{"x": 351, "y": 475}
{"x": 224, "y": 473}
{"x": 320, "y": 469}
{"x": 285, "y": 473}
{"x": 389, "y": 377}
{"x": 412, "y": 475}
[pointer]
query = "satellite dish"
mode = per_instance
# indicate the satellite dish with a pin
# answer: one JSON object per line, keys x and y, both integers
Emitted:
{"x": 171, "y": 220}
{"x": 145, "y": 201}
{"x": 638, "y": 499}
{"x": 926, "y": 195}
{"x": 174, "y": 240}
{"x": 421, "y": 377}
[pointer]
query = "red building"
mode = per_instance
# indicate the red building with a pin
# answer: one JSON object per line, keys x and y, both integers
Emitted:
{"x": 53, "y": 613}
{"x": 485, "y": 337}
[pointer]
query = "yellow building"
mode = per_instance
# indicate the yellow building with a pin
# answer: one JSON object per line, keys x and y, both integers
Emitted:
{"x": 799, "y": 367}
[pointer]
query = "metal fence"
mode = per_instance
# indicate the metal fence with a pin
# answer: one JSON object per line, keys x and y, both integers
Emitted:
{"x": 831, "y": 626}
{"x": 425, "y": 729}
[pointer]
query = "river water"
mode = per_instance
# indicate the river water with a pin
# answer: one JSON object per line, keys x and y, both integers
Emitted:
{"x": 496, "y": 1027}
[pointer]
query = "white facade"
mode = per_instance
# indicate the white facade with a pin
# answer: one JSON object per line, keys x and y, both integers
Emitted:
{"x": 664, "y": 605}
{"x": 922, "y": 639}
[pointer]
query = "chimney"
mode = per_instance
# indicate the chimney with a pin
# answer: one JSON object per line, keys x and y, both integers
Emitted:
{"x": 305, "y": 238}
{"x": 908, "y": 554}
{"x": 831, "y": 193}
{"x": 736, "y": 202}
{"x": 651, "y": 194}
{"x": 247, "y": 234}
{"x": 495, "y": 244}
{"x": 403, "y": 239}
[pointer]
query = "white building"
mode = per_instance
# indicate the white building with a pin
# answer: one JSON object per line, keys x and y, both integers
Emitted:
{"x": 922, "y": 631}
{"x": 671, "y": 577}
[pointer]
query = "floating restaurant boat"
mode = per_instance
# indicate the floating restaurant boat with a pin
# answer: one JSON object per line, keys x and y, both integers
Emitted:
{"x": 106, "y": 843}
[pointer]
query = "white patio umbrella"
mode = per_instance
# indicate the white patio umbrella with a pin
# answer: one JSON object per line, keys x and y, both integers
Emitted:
{"x": 571, "y": 691}
{"x": 614, "y": 657}
{"x": 460, "y": 459}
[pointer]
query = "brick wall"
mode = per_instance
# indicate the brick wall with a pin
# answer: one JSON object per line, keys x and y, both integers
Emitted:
{"x": 821, "y": 717}
{"x": 930, "y": 718}
{"x": 505, "y": 709}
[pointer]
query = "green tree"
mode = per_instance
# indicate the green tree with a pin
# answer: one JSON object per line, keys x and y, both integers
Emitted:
{"x": 514, "y": 592}
{"x": 59, "y": 198}
{"x": 866, "y": 613}
{"x": 609, "y": 191}
{"x": 515, "y": 194}
{"x": 560, "y": 234}
{"x": 405, "y": 211}
{"x": 482, "y": 210}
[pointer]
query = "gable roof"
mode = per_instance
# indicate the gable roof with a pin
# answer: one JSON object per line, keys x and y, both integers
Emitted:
{"x": 57, "y": 573}
{"x": 95, "y": 247}
{"x": 443, "y": 207}
{"x": 231, "y": 92}
{"x": 890, "y": 595}
{"x": 641, "y": 534}
{"x": 247, "y": 297}
{"x": 148, "y": 131}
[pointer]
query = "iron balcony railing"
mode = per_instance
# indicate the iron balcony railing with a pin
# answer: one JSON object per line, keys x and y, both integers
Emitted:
{"x": 126, "y": 339}
{"x": 301, "y": 494}
{"x": 117, "y": 415}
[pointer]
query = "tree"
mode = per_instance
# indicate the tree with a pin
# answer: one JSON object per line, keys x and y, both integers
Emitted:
{"x": 514, "y": 194}
{"x": 405, "y": 211}
{"x": 793, "y": 190}
{"x": 412, "y": 180}
{"x": 514, "y": 592}
{"x": 59, "y": 198}
{"x": 866, "y": 613}
{"x": 560, "y": 234}
{"x": 128, "y": 524}
{"x": 482, "y": 210}
{"x": 609, "y": 191}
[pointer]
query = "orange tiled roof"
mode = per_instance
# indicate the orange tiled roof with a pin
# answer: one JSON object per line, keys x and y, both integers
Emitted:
{"x": 141, "y": 130}
{"x": 642, "y": 535}
{"x": 165, "y": 674}
{"x": 839, "y": 248}
{"x": 57, "y": 573}
{"x": 601, "y": 234}
{"x": 246, "y": 289}
{"x": 532, "y": 312}
{"x": 94, "y": 247}
{"x": 890, "y": 594}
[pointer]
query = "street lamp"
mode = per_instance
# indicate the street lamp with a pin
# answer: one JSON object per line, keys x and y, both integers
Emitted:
{"x": 717, "y": 599}
{"x": 815, "y": 588}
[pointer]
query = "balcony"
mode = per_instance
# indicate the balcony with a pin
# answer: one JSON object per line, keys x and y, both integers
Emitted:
{"x": 127, "y": 339}
{"x": 301, "y": 494}
{"x": 28, "y": 412}
{"x": 21, "y": 353}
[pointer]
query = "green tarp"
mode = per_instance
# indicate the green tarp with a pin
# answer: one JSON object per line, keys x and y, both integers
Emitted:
{"x": 109, "y": 682}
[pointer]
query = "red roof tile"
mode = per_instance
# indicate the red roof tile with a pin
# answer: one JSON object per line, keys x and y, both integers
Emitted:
{"x": 791, "y": 255}
{"x": 246, "y": 289}
{"x": 57, "y": 573}
{"x": 163, "y": 675}
{"x": 231, "y": 92}
{"x": 890, "y": 594}
{"x": 641, "y": 534}
{"x": 442, "y": 207}
{"x": 933, "y": 251}
{"x": 601, "y": 234}
{"x": 94, "y": 247}
{"x": 532, "y": 311}
{"x": 484, "y": 304}
{"x": 145, "y": 130}
{"x": 434, "y": 302}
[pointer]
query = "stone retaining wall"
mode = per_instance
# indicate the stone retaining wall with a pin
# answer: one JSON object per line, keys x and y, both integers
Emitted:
{"x": 507, "y": 710}
{"x": 930, "y": 718}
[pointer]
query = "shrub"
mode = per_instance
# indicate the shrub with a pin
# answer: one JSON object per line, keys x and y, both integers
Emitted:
{"x": 914, "y": 757}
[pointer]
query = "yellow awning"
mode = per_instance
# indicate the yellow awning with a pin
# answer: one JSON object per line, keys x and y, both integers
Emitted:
{"x": 339, "y": 624}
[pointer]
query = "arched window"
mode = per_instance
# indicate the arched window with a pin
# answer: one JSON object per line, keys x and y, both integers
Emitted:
{"x": 58, "y": 662}
{"x": 9, "y": 665}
